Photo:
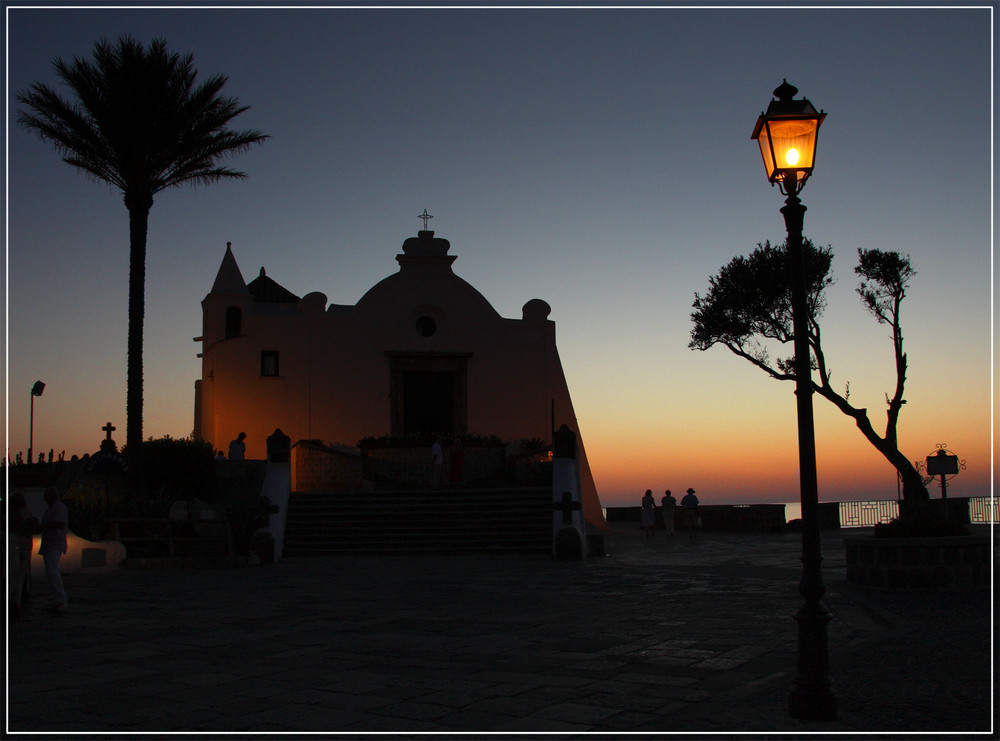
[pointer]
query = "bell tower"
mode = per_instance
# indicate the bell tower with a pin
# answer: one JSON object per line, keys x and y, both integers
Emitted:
{"x": 225, "y": 308}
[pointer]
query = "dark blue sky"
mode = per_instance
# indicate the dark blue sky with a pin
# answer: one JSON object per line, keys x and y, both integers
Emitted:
{"x": 599, "y": 159}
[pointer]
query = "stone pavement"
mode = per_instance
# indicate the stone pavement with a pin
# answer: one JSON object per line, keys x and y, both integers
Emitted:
{"x": 661, "y": 635}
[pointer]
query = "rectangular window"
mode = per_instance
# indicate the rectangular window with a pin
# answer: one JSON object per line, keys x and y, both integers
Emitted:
{"x": 269, "y": 363}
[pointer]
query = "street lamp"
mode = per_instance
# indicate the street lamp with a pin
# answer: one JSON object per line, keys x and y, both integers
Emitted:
{"x": 36, "y": 390}
{"x": 787, "y": 138}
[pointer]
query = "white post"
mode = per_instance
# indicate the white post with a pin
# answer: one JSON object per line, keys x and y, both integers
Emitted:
{"x": 278, "y": 487}
{"x": 569, "y": 531}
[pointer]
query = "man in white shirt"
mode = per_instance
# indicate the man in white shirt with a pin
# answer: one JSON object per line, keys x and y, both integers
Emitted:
{"x": 55, "y": 530}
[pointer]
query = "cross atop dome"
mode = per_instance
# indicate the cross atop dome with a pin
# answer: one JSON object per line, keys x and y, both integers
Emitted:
{"x": 425, "y": 244}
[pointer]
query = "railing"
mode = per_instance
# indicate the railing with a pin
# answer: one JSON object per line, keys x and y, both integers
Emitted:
{"x": 832, "y": 515}
{"x": 868, "y": 514}
{"x": 871, "y": 513}
{"x": 984, "y": 509}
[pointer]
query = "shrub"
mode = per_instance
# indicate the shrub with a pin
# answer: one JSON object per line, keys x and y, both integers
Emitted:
{"x": 177, "y": 469}
{"x": 93, "y": 500}
{"x": 534, "y": 444}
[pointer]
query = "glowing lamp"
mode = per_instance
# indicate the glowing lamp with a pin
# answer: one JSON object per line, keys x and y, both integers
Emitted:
{"x": 787, "y": 138}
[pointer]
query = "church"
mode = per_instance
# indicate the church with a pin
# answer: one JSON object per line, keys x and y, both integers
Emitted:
{"x": 421, "y": 352}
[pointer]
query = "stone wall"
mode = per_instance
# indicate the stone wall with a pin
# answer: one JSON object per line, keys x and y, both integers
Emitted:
{"x": 959, "y": 562}
{"x": 718, "y": 517}
{"x": 317, "y": 467}
{"x": 742, "y": 518}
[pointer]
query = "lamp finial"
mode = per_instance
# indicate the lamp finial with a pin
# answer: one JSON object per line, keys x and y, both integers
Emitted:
{"x": 784, "y": 91}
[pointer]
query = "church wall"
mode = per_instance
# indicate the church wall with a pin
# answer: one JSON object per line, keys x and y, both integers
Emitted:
{"x": 508, "y": 392}
{"x": 323, "y": 392}
{"x": 236, "y": 398}
{"x": 349, "y": 388}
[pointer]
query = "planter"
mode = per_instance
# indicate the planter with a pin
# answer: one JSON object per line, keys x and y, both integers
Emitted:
{"x": 945, "y": 563}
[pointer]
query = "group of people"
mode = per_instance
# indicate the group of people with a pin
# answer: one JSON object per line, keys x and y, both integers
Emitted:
{"x": 237, "y": 449}
{"x": 668, "y": 510}
{"x": 54, "y": 529}
{"x": 278, "y": 448}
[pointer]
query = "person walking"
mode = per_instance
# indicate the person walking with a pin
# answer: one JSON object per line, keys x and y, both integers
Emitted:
{"x": 668, "y": 508}
{"x": 648, "y": 521}
{"x": 22, "y": 526}
{"x": 55, "y": 530}
{"x": 690, "y": 505}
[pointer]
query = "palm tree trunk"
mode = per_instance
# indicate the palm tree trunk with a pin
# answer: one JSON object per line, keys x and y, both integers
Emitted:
{"x": 138, "y": 220}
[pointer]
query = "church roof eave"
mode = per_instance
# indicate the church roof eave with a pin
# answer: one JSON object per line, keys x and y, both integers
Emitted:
{"x": 267, "y": 290}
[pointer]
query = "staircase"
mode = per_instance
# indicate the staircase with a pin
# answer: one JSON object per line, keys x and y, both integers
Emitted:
{"x": 419, "y": 522}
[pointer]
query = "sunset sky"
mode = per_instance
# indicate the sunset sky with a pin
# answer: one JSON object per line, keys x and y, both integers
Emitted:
{"x": 599, "y": 159}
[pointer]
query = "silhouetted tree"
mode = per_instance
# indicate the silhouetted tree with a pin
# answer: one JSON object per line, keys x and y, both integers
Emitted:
{"x": 748, "y": 307}
{"x": 138, "y": 122}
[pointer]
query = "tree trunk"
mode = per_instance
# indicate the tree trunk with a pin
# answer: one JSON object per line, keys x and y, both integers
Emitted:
{"x": 914, "y": 492}
{"x": 138, "y": 213}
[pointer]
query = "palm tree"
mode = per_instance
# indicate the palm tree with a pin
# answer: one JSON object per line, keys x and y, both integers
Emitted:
{"x": 139, "y": 123}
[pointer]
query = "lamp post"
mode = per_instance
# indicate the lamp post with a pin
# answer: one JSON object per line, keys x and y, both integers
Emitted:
{"x": 944, "y": 464}
{"x": 36, "y": 390}
{"x": 787, "y": 138}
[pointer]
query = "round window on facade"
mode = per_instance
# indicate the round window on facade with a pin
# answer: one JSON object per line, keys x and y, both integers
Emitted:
{"x": 426, "y": 326}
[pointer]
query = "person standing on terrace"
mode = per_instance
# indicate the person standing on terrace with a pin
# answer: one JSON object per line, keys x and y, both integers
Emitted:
{"x": 55, "y": 530}
{"x": 648, "y": 521}
{"x": 690, "y": 505}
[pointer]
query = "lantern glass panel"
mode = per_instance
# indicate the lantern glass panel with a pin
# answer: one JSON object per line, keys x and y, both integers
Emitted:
{"x": 765, "y": 151}
{"x": 793, "y": 142}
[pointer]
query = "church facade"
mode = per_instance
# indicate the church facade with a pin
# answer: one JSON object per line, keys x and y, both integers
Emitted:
{"x": 422, "y": 351}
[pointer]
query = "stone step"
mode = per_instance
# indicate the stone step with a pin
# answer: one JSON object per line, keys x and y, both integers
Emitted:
{"x": 416, "y": 521}
{"x": 389, "y": 543}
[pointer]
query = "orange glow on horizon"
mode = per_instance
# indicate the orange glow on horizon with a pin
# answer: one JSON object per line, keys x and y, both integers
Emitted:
{"x": 763, "y": 467}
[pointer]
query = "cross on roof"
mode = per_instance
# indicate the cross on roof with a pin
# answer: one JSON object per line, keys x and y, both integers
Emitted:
{"x": 109, "y": 428}
{"x": 425, "y": 216}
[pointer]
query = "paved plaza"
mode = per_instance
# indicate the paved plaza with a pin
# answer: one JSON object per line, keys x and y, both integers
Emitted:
{"x": 661, "y": 635}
